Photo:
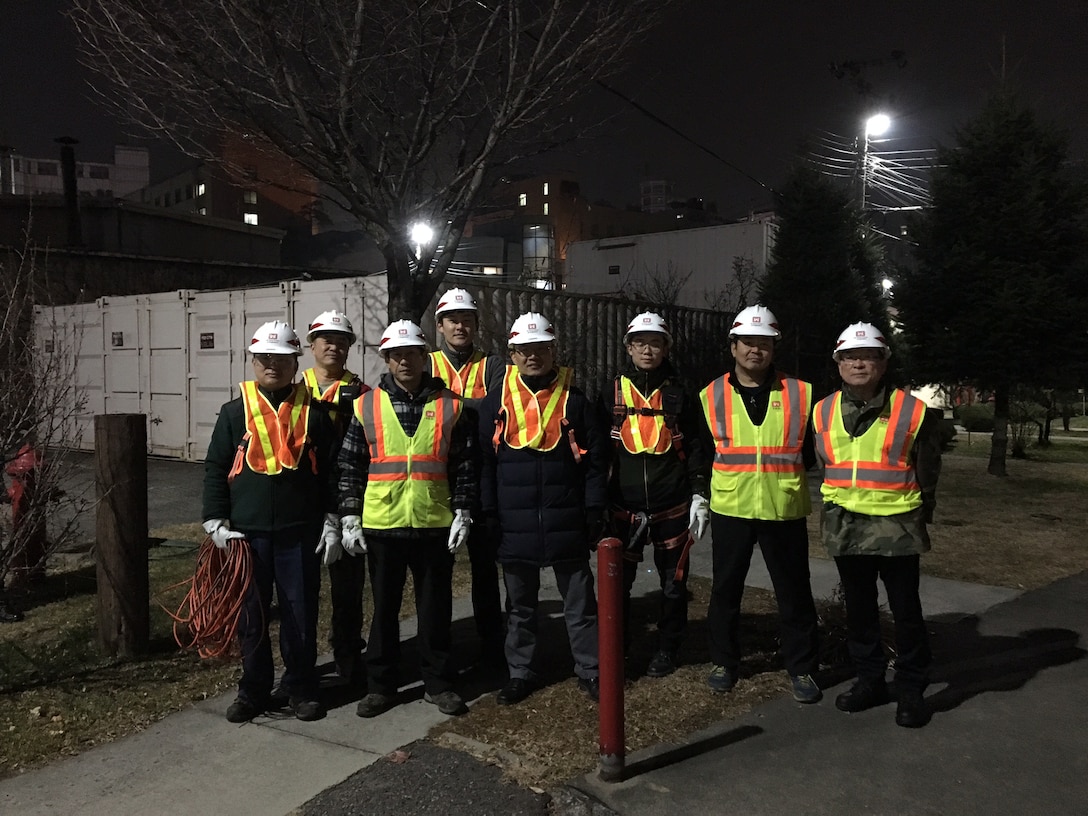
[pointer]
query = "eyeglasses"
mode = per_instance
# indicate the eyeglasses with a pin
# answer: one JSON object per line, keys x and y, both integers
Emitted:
{"x": 533, "y": 349}
{"x": 655, "y": 343}
{"x": 273, "y": 360}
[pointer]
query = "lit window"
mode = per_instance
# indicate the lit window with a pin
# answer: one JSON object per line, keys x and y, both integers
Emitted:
{"x": 545, "y": 188}
{"x": 203, "y": 211}
{"x": 249, "y": 197}
{"x": 200, "y": 188}
{"x": 250, "y": 218}
{"x": 492, "y": 270}
{"x": 545, "y": 208}
{"x": 523, "y": 199}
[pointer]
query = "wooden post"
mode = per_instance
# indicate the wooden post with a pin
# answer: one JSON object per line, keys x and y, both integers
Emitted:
{"x": 120, "y": 447}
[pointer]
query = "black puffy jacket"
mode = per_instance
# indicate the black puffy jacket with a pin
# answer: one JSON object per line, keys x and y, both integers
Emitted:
{"x": 542, "y": 498}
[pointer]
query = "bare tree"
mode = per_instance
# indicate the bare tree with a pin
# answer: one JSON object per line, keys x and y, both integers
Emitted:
{"x": 39, "y": 403}
{"x": 401, "y": 108}
{"x": 741, "y": 290}
{"x": 657, "y": 286}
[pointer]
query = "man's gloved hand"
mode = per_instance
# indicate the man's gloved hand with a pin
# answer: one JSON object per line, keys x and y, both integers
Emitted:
{"x": 699, "y": 516}
{"x": 462, "y": 522}
{"x": 351, "y": 529}
{"x": 595, "y": 527}
{"x": 329, "y": 547}
{"x": 221, "y": 533}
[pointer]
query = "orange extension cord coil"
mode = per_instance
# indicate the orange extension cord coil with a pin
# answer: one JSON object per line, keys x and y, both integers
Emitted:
{"x": 208, "y": 617}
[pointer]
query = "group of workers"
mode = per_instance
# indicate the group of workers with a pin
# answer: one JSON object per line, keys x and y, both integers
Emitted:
{"x": 512, "y": 461}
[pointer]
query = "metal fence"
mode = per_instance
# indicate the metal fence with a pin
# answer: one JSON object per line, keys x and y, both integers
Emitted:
{"x": 590, "y": 329}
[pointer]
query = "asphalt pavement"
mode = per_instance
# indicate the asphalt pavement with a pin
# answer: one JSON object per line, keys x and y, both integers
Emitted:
{"x": 1009, "y": 734}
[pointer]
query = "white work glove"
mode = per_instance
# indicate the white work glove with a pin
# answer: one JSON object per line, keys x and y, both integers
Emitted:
{"x": 221, "y": 533}
{"x": 699, "y": 516}
{"x": 352, "y": 529}
{"x": 459, "y": 529}
{"x": 329, "y": 546}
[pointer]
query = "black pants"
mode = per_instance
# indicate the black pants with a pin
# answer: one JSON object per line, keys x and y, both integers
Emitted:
{"x": 672, "y": 618}
{"x": 347, "y": 577}
{"x": 486, "y": 598}
{"x": 784, "y": 545}
{"x": 431, "y": 564}
{"x": 859, "y": 575}
{"x": 286, "y": 562}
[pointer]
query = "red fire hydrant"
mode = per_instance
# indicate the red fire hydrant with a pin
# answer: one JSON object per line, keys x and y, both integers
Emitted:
{"x": 27, "y": 527}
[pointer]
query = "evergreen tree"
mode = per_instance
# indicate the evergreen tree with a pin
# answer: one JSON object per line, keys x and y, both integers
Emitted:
{"x": 824, "y": 274}
{"x": 997, "y": 298}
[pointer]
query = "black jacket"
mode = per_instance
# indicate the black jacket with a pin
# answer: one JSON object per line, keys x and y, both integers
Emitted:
{"x": 544, "y": 500}
{"x": 654, "y": 482}
{"x": 260, "y": 503}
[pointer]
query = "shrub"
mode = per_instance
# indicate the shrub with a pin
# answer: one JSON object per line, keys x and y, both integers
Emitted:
{"x": 978, "y": 418}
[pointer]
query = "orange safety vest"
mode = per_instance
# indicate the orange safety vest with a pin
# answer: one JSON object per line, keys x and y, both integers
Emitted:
{"x": 523, "y": 423}
{"x": 468, "y": 381}
{"x": 644, "y": 428}
{"x": 275, "y": 438}
{"x": 871, "y": 473}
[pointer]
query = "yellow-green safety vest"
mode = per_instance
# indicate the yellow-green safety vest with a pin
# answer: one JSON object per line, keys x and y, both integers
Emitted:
{"x": 408, "y": 480}
{"x": 873, "y": 473}
{"x": 759, "y": 471}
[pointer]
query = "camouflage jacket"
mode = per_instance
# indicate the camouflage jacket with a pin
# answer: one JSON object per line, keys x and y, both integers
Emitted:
{"x": 847, "y": 533}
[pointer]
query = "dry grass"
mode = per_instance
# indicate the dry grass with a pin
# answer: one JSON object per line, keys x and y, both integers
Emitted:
{"x": 59, "y": 697}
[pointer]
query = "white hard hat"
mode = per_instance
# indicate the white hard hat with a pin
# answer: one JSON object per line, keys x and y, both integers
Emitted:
{"x": 647, "y": 322}
{"x": 330, "y": 321}
{"x": 401, "y": 334}
{"x": 862, "y": 335}
{"x": 275, "y": 337}
{"x": 755, "y": 321}
{"x": 531, "y": 327}
{"x": 455, "y": 300}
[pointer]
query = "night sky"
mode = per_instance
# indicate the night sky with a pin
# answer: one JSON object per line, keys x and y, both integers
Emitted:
{"x": 748, "y": 79}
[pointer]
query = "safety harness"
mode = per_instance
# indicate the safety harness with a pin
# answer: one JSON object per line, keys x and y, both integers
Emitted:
{"x": 641, "y": 525}
{"x": 671, "y": 398}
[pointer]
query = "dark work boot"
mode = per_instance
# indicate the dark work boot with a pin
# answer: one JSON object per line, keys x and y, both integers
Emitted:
{"x": 863, "y": 695}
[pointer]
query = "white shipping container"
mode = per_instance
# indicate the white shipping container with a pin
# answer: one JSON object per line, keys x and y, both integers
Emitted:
{"x": 178, "y": 356}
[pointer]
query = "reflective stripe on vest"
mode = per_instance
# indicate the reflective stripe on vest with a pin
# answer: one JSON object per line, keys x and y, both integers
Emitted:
{"x": 468, "y": 381}
{"x": 871, "y": 473}
{"x": 527, "y": 425}
{"x": 408, "y": 477}
{"x": 276, "y": 437}
{"x": 758, "y": 469}
{"x": 644, "y": 430}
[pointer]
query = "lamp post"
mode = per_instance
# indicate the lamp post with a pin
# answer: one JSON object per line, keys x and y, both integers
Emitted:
{"x": 875, "y": 125}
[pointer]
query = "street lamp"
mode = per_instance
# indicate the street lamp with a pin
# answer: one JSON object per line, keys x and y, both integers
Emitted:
{"x": 421, "y": 234}
{"x": 875, "y": 125}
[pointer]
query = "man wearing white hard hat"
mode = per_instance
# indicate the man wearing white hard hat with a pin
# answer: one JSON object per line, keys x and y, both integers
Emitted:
{"x": 881, "y": 457}
{"x": 331, "y": 337}
{"x": 409, "y": 471}
{"x": 543, "y": 483}
{"x": 658, "y": 483}
{"x": 758, "y": 418}
{"x": 468, "y": 371}
{"x": 269, "y": 484}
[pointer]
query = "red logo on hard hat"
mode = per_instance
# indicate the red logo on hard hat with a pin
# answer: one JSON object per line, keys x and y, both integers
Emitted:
{"x": 859, "y": 333}
{"x": 402, "y": 332}
{"x": 273, "y": 336}
{"x": 532, "y": 326}
{"x": 756, "y": 319}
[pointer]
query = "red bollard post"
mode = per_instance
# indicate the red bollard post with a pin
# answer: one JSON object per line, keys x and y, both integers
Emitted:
{"x": 610, "y": 648}
{"x": 27, "y": 522}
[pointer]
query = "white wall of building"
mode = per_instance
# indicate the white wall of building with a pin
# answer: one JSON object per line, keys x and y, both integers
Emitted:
{"x": 130, "y": 170}
{"x": 609, "y": 266}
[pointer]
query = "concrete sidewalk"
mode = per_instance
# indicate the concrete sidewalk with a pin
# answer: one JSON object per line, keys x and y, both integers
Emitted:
{"x": 1008, "y": 736}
